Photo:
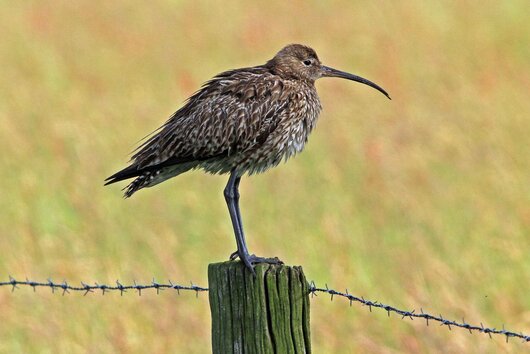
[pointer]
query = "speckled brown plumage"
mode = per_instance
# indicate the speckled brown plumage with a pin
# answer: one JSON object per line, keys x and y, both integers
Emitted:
{"x": 241, "y": 121}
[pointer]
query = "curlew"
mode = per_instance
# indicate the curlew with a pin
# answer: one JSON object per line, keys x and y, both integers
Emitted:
{"x": 241, "y": 121}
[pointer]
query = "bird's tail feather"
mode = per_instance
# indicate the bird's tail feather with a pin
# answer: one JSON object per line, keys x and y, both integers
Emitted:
{"x": 126, "y": 173}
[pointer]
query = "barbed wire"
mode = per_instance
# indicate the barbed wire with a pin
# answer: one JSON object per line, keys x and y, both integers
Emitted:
{"x": 413, "y": 314}
{"x": 65, "y": 288}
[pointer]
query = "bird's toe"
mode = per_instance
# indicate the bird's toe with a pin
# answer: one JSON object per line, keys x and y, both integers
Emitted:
{"x": 234, "y": 256}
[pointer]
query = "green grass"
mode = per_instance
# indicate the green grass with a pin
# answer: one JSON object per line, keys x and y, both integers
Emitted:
{"x": 422, "y": 201}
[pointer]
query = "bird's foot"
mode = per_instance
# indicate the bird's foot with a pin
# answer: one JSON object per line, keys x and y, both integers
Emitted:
{"x": 255, "y": 260}
{"x": 250, "y": 260}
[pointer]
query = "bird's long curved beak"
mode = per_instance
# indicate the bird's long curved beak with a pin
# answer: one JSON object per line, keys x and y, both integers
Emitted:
{"x": 330, "y": 72}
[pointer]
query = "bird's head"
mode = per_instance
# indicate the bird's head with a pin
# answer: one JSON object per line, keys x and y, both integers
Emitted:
{"x": 300, "y": 62}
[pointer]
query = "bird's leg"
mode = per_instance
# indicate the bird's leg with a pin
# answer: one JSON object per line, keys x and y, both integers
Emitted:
{"x": 252, "y": 258}
{"x": 235, "y": 189}
{"x": 231, "y": 193}
{"x": 231, "y": 197}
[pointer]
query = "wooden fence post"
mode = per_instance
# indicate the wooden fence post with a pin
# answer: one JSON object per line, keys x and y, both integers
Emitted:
{"x": 268, "y": 313}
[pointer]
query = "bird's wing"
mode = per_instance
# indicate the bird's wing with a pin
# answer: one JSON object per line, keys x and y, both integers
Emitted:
{"x": 234, "y": 112}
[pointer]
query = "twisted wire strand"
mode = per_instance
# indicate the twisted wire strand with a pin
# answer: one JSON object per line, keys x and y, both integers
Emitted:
{"x": 65, "y": 287}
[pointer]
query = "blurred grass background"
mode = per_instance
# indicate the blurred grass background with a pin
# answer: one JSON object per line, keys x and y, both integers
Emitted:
{"x": 423, "y": 201}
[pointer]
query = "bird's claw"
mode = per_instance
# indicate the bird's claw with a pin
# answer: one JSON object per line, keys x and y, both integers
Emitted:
{"x": 233, "y": 256}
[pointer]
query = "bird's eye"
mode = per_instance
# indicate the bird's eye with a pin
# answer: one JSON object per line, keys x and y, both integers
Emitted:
{"x": 307, "y": 62}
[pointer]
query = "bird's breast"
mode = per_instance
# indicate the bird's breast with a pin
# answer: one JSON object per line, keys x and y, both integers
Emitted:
{"x": 293, "y": 132}
{"x": 303, "y": 118}
{"x": 292, "y": 128}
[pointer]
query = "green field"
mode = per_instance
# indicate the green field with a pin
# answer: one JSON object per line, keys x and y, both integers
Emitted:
{"x": 418, "y": 202}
